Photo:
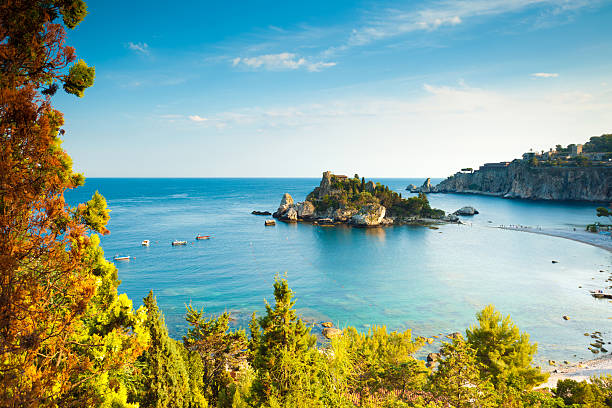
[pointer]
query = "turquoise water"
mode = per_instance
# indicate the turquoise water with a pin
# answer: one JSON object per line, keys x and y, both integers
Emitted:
{"x": 432, "y": 281}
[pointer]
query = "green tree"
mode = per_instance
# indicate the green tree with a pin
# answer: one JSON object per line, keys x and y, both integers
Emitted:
{"x": 377, "y": 363}
{"x": 505, "y": 353}
{"x": 289, "y": 370}
{"x": 222, "y": 351}
{"x": 604, "y": 212}
{"x": 164, "y": 378}
{"x": 458, "y": 380}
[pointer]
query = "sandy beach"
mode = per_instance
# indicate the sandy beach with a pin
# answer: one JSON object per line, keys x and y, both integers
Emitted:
{"x": 590, "y": 238}
{"x": 579, "y": 371}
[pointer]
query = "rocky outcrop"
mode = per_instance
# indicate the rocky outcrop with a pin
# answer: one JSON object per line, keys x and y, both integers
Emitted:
{"x": 521, "y": 180}
{"x": 343, "y": 214}
{"x": 370, "y": 215}
{"x": 261, "y": 212}
{"x": 288, "y": 210}
{"x": 286, "y": 202}
{"x": 426, "y": 187}
{"x": 466, "y": 211}
{"x": 412, "y": 188}
{"x": 331, "y": 332}
{"x": 305, "y": 210}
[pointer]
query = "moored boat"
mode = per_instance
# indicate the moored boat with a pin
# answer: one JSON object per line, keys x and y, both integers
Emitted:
{"x": 176, "y": 243}
{"x": 200, "y": 237}
{"x": 121, "y": 258}
{"x": 146, "y": 242}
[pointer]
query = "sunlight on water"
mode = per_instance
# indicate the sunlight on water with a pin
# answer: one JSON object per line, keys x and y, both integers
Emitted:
{"x": 432, "y": 281}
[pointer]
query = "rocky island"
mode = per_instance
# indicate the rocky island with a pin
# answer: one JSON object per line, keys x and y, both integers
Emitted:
{"x": 353, "y": 201}
{"x": 576, "y": 172}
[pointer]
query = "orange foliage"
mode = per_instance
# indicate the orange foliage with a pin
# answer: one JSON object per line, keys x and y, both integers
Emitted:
{"x": 47, "y": 276}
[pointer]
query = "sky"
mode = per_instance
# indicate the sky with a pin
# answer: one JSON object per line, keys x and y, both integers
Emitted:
{"x": 291, "y": 89}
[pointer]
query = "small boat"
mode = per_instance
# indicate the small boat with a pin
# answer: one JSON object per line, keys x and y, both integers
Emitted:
{"x": 269, "y": 223}
{"x": 121, "y": 258}
{"x": 202, "y": 236}
{"x": 601, "y": 295}
{"x": 146, "y": 242}
{"x": 176, "y": 242}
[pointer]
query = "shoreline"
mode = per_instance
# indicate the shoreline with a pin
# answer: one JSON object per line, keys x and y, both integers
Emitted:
{"x": 589, "y": 238}
{"x": 579, "y": 371}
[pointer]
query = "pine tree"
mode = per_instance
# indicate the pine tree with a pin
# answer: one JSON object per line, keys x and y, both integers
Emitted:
{"x": 457, "y": 380}
{"x": 505, "y": 353}
{"x": 289, "y": 371}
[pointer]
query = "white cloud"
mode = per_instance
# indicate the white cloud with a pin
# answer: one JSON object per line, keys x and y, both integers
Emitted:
{"x": 280, "y": 62}
{"x": 393, "y": 22}
{"x": 140, "y": 47}
{"x": 197, "y": 118}
{"x": 545, "y": 75}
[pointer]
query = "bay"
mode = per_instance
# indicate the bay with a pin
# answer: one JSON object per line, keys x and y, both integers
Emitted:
{"x": 429, "y": 280}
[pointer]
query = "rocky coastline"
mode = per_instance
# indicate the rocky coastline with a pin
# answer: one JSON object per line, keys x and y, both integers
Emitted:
{"x": 369, "y": 214}
{"x": 520, "y": 179}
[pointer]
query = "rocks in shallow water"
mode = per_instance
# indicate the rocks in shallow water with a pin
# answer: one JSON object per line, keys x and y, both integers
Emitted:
{"x": 412, "y": 188}
{"x": 324, "y": 222}
{"x": 261, "y": 213}
{"x": 387, "y": 221}
{"x": 369, "y": 215}
{"x": 331, "y": 332}
{"x": 455, "y": 335}
{"x": 426, "y": 187}
{"x": 327, "y": 324}
{"x": 343, "y": 214}
{"x": 286, "y": 201}
{"x": 467, "y": 210}
{"x": 290, "y": 215}
{"x": 269, "y": 223}
{"x": 451, "y": 218}
{"x": 305, "y": 210}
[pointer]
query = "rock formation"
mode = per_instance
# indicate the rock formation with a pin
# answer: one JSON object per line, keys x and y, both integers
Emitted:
{"x": 521, "y": 180}
{"x": 466, "y": 211}
{"x": 426, "y": 187}
{"x": 370, "y": 215}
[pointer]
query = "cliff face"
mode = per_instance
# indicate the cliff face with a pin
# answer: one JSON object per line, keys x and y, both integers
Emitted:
{"x": 519, "y": 180}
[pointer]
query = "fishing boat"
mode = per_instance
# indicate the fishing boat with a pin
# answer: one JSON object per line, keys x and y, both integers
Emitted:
{"x": 146, "y": 242}
{"x": 121, "y": 258}
{"x": 202, "y": 236}
{"x": 176, "y": 243}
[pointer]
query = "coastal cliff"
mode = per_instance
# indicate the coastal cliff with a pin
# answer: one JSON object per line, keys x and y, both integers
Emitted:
{"x": 520, "y": 179}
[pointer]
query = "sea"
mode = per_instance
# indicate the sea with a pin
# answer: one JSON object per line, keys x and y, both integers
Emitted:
{"x": 432, "y": 281}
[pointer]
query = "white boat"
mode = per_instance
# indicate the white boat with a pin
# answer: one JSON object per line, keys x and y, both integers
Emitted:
{"x": 175, "y": 243}
{"x": 146, "y": 242}
{"x": 121, "y": 258}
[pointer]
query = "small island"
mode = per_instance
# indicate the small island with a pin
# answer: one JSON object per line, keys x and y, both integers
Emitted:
{"x": 342, "y": 200}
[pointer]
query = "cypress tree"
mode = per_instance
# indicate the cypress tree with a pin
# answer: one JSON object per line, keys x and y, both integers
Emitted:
{"x": 164, "y": 380}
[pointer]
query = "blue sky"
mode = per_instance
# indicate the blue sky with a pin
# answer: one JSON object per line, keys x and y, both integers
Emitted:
{"x": 290, "y": 89}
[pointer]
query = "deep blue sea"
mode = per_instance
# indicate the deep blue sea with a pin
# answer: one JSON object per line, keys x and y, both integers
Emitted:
{"x": 431, "y": 281}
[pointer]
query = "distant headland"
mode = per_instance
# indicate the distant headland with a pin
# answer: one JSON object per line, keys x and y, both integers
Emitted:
{"x": 576, "y": 172}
